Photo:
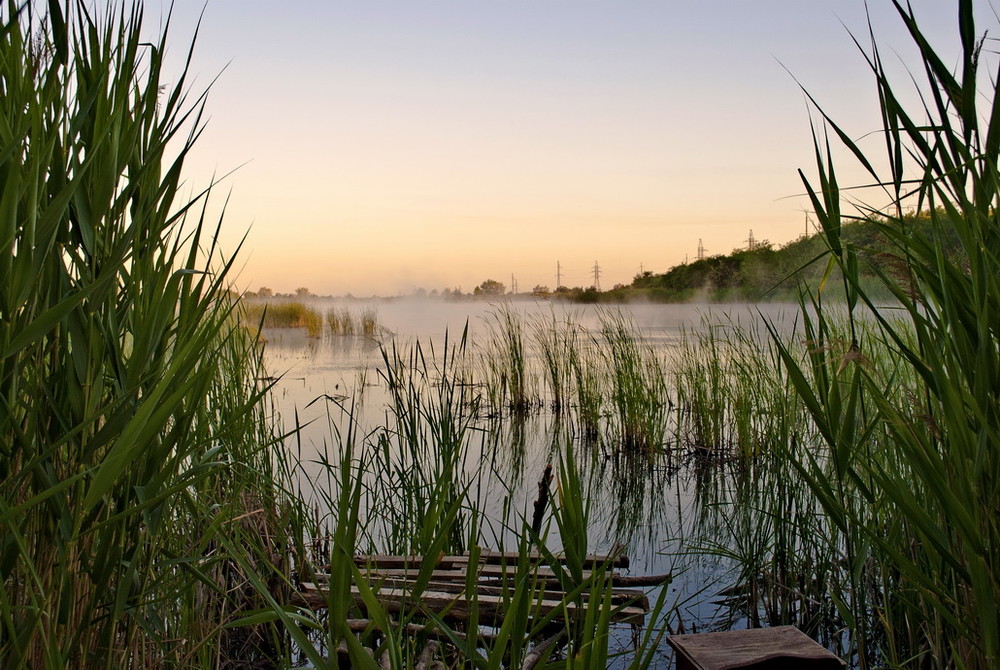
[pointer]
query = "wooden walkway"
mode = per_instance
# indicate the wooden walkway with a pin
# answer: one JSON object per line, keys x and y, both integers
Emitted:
{"x": 394, "y": 580}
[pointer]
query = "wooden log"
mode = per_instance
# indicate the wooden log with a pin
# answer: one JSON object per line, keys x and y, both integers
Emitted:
{"x": 616, "y": 559}
{"x": 427, "y": 655}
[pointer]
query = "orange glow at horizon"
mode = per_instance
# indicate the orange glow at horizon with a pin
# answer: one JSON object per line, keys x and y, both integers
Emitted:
{"x": 389, "y": 148}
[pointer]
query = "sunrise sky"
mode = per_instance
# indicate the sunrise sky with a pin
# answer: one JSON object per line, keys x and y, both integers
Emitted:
{"x": 387, "y": 145}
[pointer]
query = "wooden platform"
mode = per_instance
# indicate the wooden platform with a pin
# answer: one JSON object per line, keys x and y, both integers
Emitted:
{"x": 394, "y": 580}
{"x": 778, "y": 648}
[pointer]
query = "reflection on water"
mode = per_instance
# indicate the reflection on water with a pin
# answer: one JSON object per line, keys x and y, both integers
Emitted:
{"x": 657, "y": 502}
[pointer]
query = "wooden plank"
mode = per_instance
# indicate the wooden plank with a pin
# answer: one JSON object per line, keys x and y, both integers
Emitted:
{"x": 633, "y": 597}
{"x": 488, "y": 556}
{"x": 616, "y": 560}
{"x": 754, "y": 649}
{"x": 457, "y": 606}
{"x": 618, "y": 597}
{"x": 482, "y": 573}
{"x": 496, "y": 573}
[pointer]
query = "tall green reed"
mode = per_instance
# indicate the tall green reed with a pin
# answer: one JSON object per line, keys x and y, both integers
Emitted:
{"x": 506, "y": 366}
{"x": 412, "y": 485}
{"x": 554, "y": 340}
{"x": 136, "y": 491}
{"x": 733, "y": 399}
{"x": 912, "y": 479}
{"x": 588, "y": 384}
{"x": 419, "y": 486}
{"x": 637, "y": 379}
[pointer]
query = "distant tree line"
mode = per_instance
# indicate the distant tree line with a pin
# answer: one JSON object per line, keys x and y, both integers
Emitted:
{"x": 763, "y": 272}
{"x": 768, "y": 273}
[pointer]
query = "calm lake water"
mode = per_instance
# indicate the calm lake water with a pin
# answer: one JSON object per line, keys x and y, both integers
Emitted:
{"x": 649, "y": 504}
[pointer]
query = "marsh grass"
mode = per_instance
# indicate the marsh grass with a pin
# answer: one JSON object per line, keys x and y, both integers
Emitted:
{"x": 284, "y": 314}
{"x": 341, "y": 321}
{"x": 638, "y": 385}
{"x": 912, "y": 478}
{"x": 505, "y": 369}
{"x": 732, "y": 398}
{"x": 413, "y": 486}
{"x": 610, "y": 381}
{"x": 554, "y": 339}
{"x": 588, "y": 385}
{"x": 139, "y": 501}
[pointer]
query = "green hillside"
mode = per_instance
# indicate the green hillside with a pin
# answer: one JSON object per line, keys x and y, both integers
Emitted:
{"x": 769, "y": 273}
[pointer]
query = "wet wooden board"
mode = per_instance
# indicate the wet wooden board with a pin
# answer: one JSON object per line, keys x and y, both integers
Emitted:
{"x": 496, "y": 573}
{"x": 632, "y": 597}
{"x": 447, "y": 581}
{"x": 614, "y": 560}
{"x": 449, "y": 605}
{"x": 775, "y": 648}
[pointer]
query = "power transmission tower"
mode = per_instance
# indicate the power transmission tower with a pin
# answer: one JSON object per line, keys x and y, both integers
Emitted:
{"x": 513, "y": 284}
{"x": 558, "y": 275}
{"x": 751, "y": 242}
{"x": 701, "y": 250}
{"x": 597, "y": 276}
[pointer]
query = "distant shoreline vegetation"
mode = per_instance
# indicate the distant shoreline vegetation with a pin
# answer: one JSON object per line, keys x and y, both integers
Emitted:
{"x": 759, "y": 273}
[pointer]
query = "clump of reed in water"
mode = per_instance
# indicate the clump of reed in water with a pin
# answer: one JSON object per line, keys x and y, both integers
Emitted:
{"x": 637, "y": 382}
{"x": 284, "y": 314}
{"x": 554, "y": 340}
{"x": 413, "y": 486}
{"x": 340, "y": 321}
{"x": 343, "y": 321}
{"x": 506, "y": 372}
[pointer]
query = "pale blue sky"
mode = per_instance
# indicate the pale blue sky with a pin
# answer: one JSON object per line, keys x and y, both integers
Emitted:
{"x": 390, "y": 145}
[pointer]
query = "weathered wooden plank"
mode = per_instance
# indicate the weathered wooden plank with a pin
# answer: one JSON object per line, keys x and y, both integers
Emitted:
{"x": 482, "y": 573}
{"x": 497, "y": 573}
{"x": 632, "y": 597}
{"x": 617, "y": 560}
{"x": 618, "y": 596}
{"x": 457, "y": 606}
{"x": 755, "y": 649}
